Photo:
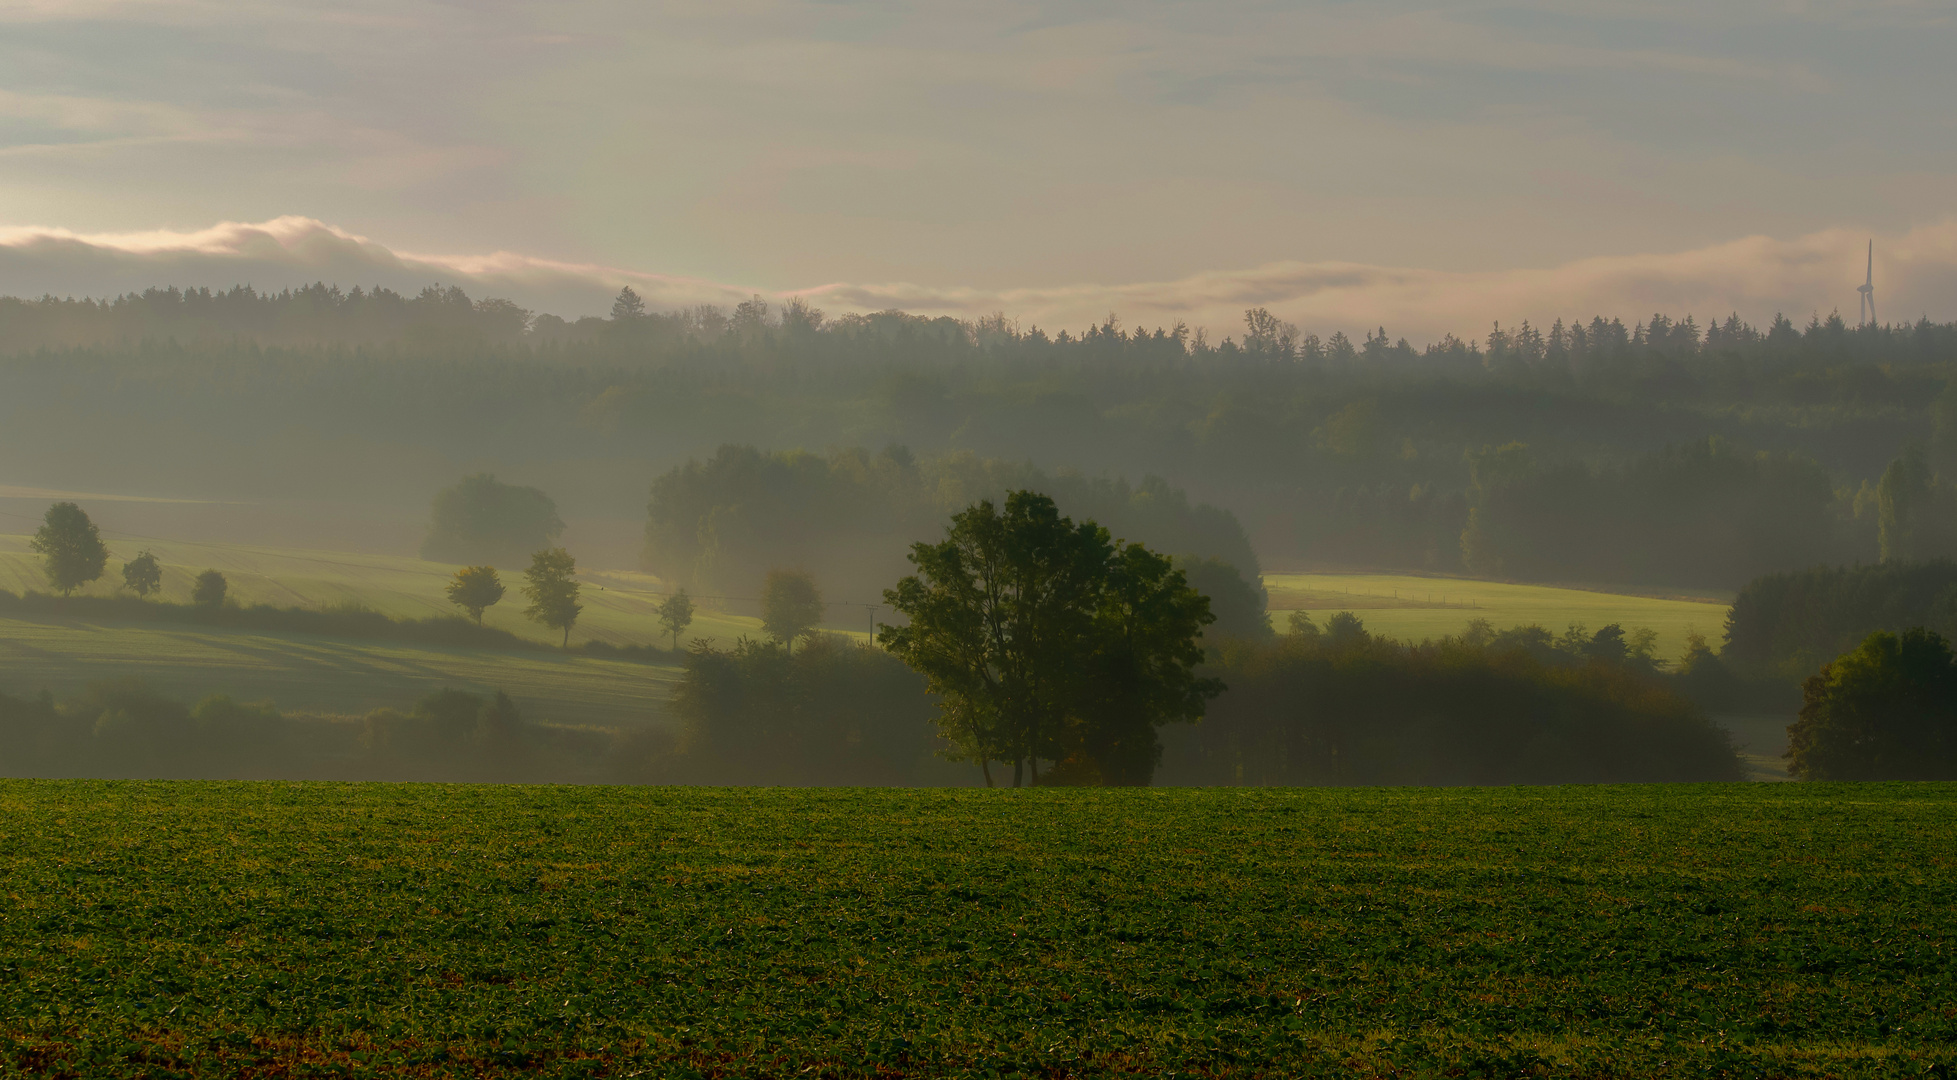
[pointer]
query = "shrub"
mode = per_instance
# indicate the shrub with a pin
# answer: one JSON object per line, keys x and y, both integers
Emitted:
{"x": 1347, "y": 708}
{"x": 833, "y": 713}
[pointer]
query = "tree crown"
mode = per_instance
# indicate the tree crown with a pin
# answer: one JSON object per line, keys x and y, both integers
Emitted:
{"x": 1047, "y": 639}
{"x": 72, "y": 547}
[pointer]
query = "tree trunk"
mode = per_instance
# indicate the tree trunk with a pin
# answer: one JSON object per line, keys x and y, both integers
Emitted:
{"x": 1017, "y": 764}
{"x": 1033, "y": 765}
{"x": 985, "y": 766}
{"x": 567, "y": 636}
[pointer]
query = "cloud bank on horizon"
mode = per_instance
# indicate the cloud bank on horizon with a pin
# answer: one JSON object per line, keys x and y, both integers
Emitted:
{"x": 1757, "y": 277}
{"x": 1017, "y": 147}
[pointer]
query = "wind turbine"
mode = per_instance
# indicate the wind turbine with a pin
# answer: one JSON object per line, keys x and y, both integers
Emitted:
{"x": 1867, "y": 289}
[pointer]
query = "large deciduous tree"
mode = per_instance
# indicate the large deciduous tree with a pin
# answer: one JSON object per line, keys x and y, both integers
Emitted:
{"x": 72, "y": 547}
{"x": 1047, "y": 639}
{"x": 552, "y": 588}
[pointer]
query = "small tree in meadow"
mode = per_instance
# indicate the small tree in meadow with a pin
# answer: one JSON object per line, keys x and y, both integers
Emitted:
{"x": 72, "y": 546}
{"x": 676, "y": 614}
{"x": 791, "y": 606}
{"x": 475, "y": 589}
{"x": 553, "y": 590}
{"x": 142, "y": 575}
{"x": 210, "y": 590}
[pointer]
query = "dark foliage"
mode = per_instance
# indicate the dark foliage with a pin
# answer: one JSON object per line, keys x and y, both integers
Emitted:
{"x": 1702, "y": 514}
{"x": 70, "y": 547}
{"x": 830, "y": 714}
{"x": 1887, "y": 711}
{"x": 123, "y": 728}
{"x": 482, "y": 520}
{"x": 1238, "y": 604}
{"x": 1784, "y": 626}
{"x": 1344, "y": 708}
{"x": 210, "y": 590}
{"x": 1048, "y": 639}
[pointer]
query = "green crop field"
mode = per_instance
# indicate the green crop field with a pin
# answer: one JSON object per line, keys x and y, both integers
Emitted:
{"x": 198, "y": 929}
{"x": 322, "y": 676}
{"x": 1412, "y": 607}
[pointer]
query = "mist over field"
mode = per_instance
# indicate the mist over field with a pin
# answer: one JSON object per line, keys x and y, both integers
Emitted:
{"x": 776, "y": 538}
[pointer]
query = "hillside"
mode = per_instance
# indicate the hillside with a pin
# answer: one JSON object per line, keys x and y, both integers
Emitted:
{"x": 620, "y": 606}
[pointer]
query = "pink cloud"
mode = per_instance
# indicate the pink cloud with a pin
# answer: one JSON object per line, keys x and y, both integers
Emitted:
{"x": 1916, "y": 274}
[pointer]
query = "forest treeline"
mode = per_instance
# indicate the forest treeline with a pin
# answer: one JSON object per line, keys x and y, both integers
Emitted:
{"x": 1664, "y": 451}
{"x": 325, "y": 315}
{"x": 721, "y": 524}
{"x": 1785, "y": 626}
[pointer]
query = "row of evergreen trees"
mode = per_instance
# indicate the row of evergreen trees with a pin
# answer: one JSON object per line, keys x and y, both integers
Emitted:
{"x": 445, "y": 319}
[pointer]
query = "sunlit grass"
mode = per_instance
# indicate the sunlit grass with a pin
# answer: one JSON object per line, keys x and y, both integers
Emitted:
{"x": 620, "y": 606}
{"x": 1413, "y": 607}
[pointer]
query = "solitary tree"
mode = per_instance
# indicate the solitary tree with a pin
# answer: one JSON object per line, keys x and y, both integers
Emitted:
{"x": 475, "y": 589}
{"x": 1045, "y": 639}
{"x": 676, "y": 614}
{"x": 72, "y": 546}
{"x": 791, "y": 606}
{"x": 142, "y": 575}
{"x": 210, "y": 590}
{"x": 553, "y": 590}
{"x": 628, "y": 305}
{"x": 485, "y": 521}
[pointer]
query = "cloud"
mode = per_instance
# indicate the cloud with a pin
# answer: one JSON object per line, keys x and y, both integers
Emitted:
{"x": 1916, "y": 274}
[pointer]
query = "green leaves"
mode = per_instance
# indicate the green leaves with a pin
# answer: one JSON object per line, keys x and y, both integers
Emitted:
{"x": 552, "y": 588}
{"x": 1047, "y": 639}
{"x": 71, "y": 547}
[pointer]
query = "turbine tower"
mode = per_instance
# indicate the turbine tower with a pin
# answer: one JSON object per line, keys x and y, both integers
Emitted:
{"x": 1867, "y": 289}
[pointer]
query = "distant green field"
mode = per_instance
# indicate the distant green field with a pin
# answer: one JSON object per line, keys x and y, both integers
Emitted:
{"x": 619, "y": 606}
{"x": 187, "y": 929}
{"x": 322, "y": 675}
{"x": 1412, "y": 607}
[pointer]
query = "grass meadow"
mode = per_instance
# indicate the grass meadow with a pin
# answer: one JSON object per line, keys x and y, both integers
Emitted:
{"x": 619, "y": 606}
{"x": 322, "y": 676}
{"x": 325, "y": 676}
{"x": 1413, "y": 607}
{"x": 230, "y": 929}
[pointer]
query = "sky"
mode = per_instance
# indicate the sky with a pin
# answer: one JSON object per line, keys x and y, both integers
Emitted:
{"x": 1428, "y": 167}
